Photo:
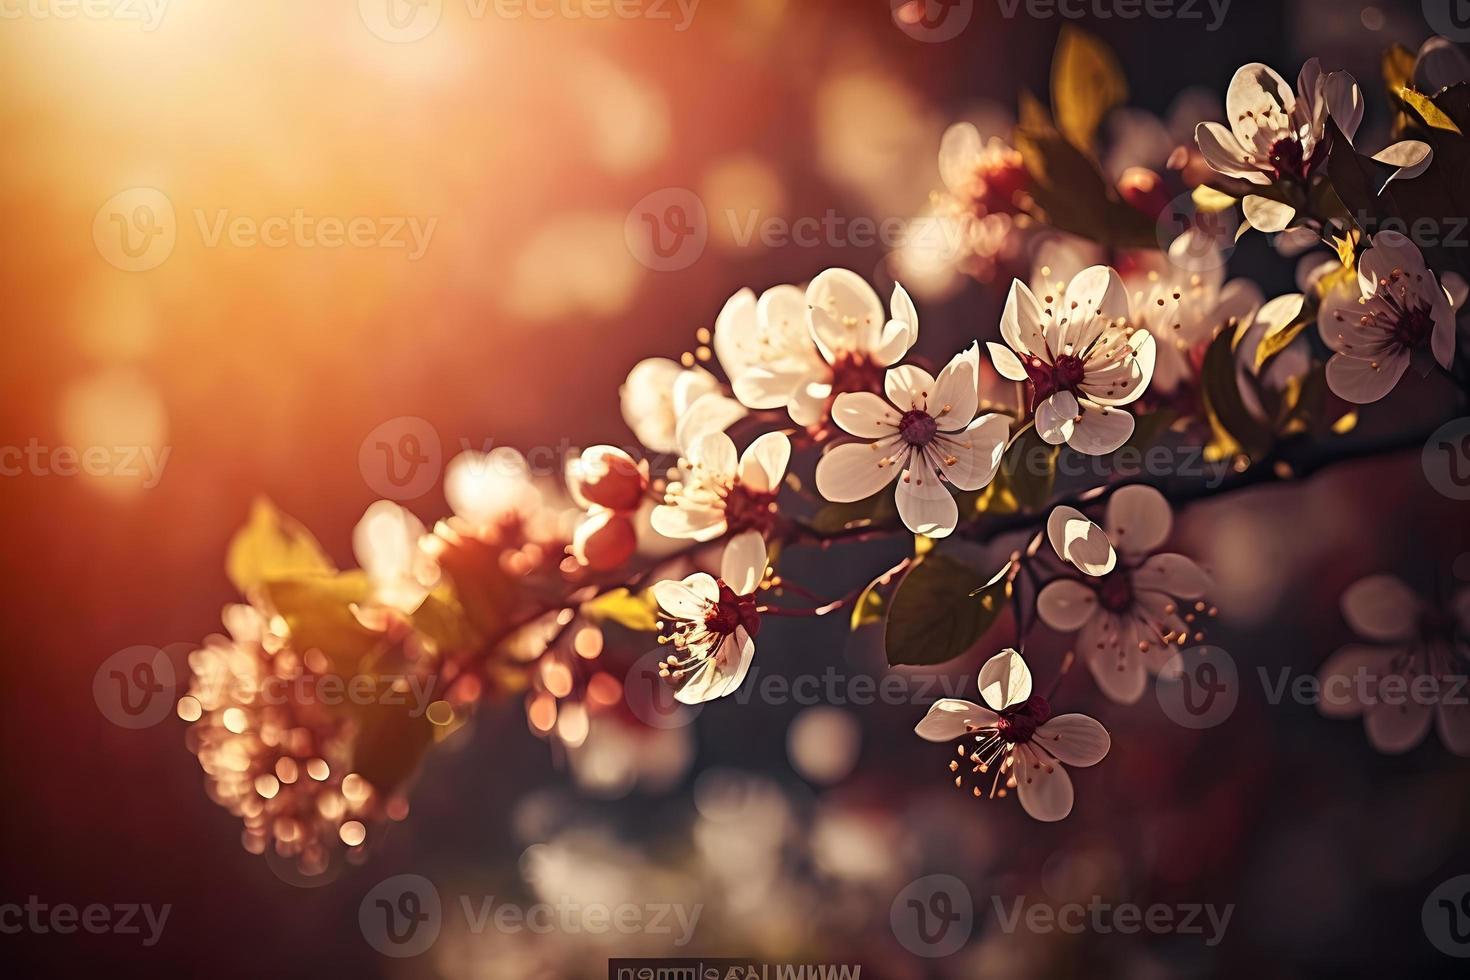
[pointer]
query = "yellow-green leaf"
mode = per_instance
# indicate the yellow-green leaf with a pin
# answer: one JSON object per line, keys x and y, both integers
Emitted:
{"x": 273, "y": 546}
{"x": 632, "y": 611}
{"x": 1086, "y": 83}
{"x": 1210, "y": 201}
{"x": 1433, "y": 116}
{"x": 869, "y": 608}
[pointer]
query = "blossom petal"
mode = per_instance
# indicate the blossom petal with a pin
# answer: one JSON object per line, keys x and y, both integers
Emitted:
{"x": 857, "y": 470}
{"x": 1362, "y": 381}
{"x": 1007, "y": 364}
{"x": 909, "y": 387}
{"x": 971, "y": 458}
{"x": 1043, "y": 785}
{"x": 924, "y": 503}
{"x": 1100, "y": 430}
{"x": 1174, "y": 575}
{"x": 1075, "y": 739}
{"x": 1265, "y": 214}
{"x": 1348, "y": 676}
{"x": 1077, "y": 540}
{"x": 949, "y": 719}
{"x": 1253, "y": 88}
{"x": 688, "y": 522}
{"x": 764, "y": 462}
{"x": 1005, "y": 680}
{"x": 1109, "y": 645}
{"x": 1020, "y": 322}
{"x": 1344, "y": 102}
{"x": 743, "y": 564}
{"x": 1066, "y": 604}
{"x": 1380, "y": 607}
{"x": 715, "y": 454}
{"x": 722, "y": 673}
{"x": 1056, "y": 418}
{"x": 709, "y": 413}
{"x": 1399, "y": 724}
{"x": 959, "y": 153}
{"x": 1138, "y": 519}
{"x": 845, "y": 313}
{"x": 957, "y": 390}
{"x": 864, "y": 414}
{"x": 1452, "y": 721}
{"x": 687, "y": 599}
{"x": 1223, "y": 152}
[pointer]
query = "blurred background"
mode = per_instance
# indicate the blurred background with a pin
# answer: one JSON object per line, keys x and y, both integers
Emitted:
{"x": 453, "y": 185}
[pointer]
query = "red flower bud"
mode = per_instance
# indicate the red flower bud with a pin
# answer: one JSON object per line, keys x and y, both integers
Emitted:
{"x": 606, "y": 476}
{"x": 604, "y": 540}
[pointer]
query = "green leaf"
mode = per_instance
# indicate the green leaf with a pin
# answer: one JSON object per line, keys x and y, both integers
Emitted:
{"x": 1075, "y": 197}
{"x": 880, "y": 508}
{"x": 1086, "y": 84}
{"x": 941, "y": 609}
{"x": 635, "y": 612}
{"x": 1030, "y": 470}
{"x": 869, "y": 608}
{"x": 1423, "y": 106}
{"x": 442, "y": 620}
{"x": 272, "y": 546}
{"x": 318, "y": 611}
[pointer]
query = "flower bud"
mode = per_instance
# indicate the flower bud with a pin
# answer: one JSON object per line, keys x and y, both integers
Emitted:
{"x": 1144, "y": 191}
{"x": 604, "y": 540}
{"x": 606, "y": 476}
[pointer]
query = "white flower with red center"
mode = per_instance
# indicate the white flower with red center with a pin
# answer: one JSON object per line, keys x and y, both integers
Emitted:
{"x": 1410, "y": 669}
{"x": 925, "y": 435}
{"x": 983, "y": 176}
{"x": 855, "y": 339}
{"x": 669, "y": 406}
{"x": 1134, "y": 605}
{"x": 1017, "y": 739}
{"x": 1396, "y": 311}
{"x": 1276, "y": 134}
{"x": 1182, "y": 300}
{"x": 1081, "y": 357}
{"x": 715, "y": 622}
{"x": 720, "y": 492}
{"x": 765, "y": 347}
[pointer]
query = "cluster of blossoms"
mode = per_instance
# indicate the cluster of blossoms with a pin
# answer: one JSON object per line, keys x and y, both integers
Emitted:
{"x": 685, "y": 536}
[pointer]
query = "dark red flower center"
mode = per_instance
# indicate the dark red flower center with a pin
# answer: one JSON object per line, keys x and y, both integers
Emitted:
{"x": 1017, "y": 724}
{"x": 1290, "y": 162}
{"x": 1414, "y": 327}
{"x": 749, "y": 510}
{"x": 1063, "y": 374}
{"x": 731, "y": 611}
{"x": 1115, "y": 591}
{"x": 917, "y": 428}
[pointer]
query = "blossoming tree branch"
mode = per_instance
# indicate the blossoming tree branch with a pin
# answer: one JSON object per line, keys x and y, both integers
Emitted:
{"x": 1111, "y": 336}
